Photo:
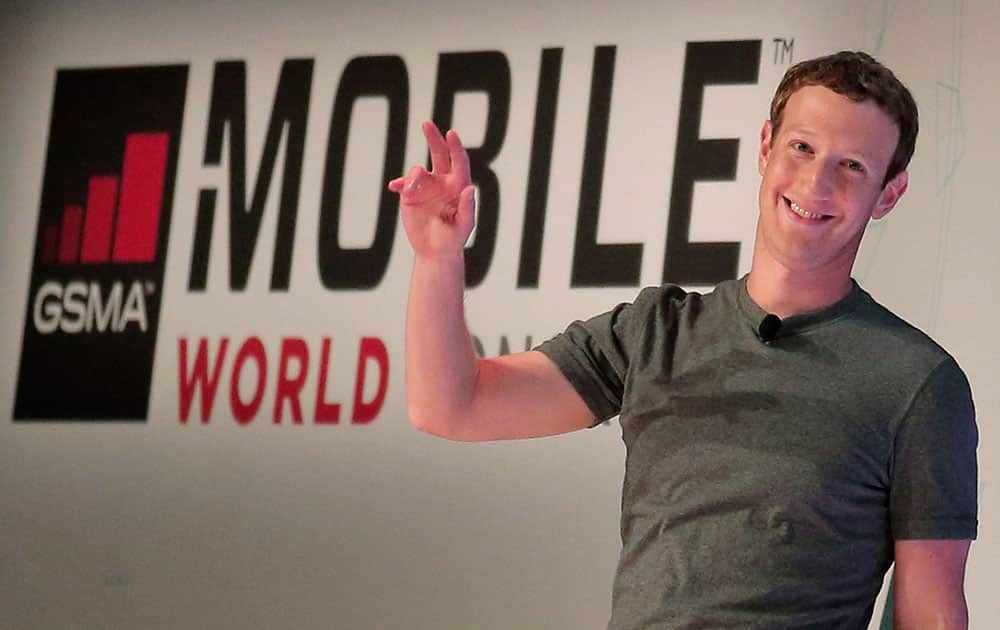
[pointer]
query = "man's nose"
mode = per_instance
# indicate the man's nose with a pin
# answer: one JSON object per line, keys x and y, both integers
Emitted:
{"x": 820, "y": 178}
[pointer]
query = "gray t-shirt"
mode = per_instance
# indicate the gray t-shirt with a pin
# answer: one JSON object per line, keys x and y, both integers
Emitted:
{"x": 765, "y": 483}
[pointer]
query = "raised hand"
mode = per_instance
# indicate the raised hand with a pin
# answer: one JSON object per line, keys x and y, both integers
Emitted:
{"x": 438, "y": 206}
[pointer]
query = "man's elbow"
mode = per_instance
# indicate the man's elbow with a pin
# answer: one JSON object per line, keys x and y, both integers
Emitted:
{"x": 953, "y": 615}
{"x": 939, "y": 622}
{"x": 436, "y": 423}
{"x": 429, "y": 425}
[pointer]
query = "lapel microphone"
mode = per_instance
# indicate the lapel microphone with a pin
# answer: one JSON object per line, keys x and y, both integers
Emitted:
{"x": 769, "y": 327}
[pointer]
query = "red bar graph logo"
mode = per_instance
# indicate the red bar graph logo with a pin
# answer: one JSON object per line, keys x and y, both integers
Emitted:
{"x": 102, "y": 199}
{"x": 103, "y": 229}
{"x": 135, "y": 221}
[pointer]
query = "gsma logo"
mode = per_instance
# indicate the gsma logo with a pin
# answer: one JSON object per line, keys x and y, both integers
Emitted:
{"x": 101, "y": 243}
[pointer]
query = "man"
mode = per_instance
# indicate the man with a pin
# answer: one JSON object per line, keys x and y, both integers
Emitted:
{"x": 787, "y": 437}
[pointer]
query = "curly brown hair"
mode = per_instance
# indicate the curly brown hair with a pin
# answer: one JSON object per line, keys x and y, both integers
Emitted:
{"x": 859, "y": 77}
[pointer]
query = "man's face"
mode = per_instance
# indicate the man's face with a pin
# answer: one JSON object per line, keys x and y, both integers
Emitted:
{"x": 822, "y": 179}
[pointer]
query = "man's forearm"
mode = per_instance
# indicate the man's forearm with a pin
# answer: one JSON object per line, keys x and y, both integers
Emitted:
{"x": 440, "y": 358}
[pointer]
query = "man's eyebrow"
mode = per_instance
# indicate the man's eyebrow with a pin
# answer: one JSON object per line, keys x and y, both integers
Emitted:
{"x": 797, "y": 129}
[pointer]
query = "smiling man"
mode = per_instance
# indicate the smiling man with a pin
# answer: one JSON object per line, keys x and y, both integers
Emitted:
{"x": 787, "y": 437}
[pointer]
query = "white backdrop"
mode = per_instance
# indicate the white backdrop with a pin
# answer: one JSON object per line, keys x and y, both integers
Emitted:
{"x": 167, "y": 524}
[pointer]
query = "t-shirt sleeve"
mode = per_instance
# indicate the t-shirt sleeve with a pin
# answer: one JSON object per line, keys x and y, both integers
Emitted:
{"x": 595, "y": 355}
{"x": 934, "y": 473}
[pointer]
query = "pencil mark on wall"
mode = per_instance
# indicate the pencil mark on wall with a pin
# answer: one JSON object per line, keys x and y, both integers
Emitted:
{"x": 943, "y": 117}
{"x": 882, "y": 10}
{"x": 949, "y": 133}
{"x": 949, "y": 151}
{"x": 885, "y": 18}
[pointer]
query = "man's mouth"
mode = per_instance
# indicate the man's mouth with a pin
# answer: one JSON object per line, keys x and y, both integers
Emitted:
{"x": 805, "y": 214}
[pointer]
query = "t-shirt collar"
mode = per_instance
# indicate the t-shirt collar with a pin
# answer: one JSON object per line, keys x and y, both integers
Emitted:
{"x": 754, "y": 314}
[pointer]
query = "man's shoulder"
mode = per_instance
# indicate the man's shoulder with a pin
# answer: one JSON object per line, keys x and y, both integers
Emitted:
{"x": 669, "y": 311}
{"x": 675, "y": 296}
{"x": 884, "y": 331}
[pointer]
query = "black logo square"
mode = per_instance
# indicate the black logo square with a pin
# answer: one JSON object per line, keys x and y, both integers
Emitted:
{"x": 100, "y": 246}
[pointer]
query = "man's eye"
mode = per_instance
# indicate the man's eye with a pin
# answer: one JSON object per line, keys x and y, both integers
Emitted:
{"x": 855, "y": 166}
{"x": 802, "y": 146}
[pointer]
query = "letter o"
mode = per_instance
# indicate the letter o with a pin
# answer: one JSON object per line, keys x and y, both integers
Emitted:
{"x": 252, "y": 348}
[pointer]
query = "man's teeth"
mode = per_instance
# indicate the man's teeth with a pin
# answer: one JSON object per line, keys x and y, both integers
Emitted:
{"x": 802, "y": 212}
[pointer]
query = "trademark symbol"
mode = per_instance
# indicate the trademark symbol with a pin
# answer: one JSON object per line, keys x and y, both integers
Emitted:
{"x": 783, "y": 48}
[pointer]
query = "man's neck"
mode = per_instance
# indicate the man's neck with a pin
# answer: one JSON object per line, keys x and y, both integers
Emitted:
{"x": 784, "y": 293}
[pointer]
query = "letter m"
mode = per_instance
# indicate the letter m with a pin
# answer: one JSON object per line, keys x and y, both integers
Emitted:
{"x": 227, "y": 113}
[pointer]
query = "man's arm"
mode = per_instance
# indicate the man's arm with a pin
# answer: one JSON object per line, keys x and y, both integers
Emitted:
{"x": 930, "y": 585}
{"x": 450, "y": 391}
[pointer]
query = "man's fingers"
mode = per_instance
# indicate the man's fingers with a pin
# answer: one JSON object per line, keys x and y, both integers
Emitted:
{"x": 459, "y": 158}
{"x": 415, "y": 171}
{"x": 410, "y": 185}
{"x": 440, "y": 161}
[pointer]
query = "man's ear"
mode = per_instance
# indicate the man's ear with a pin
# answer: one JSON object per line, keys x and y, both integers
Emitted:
{"x": 765, "y": 147}
{"x": 890, "y": 194}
